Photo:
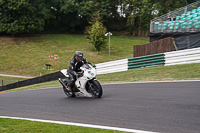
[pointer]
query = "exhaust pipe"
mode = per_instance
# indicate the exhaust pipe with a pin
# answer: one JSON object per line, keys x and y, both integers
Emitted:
{"x": 64, "y": 85}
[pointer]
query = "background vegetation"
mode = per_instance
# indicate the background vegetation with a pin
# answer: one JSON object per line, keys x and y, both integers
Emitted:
{"x": 62, "y": 16}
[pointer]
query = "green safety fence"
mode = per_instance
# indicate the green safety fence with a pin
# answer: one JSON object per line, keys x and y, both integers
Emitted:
{"x": 146, "y": 61}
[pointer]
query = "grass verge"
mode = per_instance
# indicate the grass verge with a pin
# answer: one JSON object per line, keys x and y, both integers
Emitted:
{"x": 25, "y": 126}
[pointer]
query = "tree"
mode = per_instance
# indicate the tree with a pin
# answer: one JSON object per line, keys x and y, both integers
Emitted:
{"x": 96, "y": 33}
{"x": 163, "y": 6}
{"x": 144, "y": 16}
{"x": 131, "y": 9}
{"x": 21, "y": 16}
{"x": 75, "y": 14}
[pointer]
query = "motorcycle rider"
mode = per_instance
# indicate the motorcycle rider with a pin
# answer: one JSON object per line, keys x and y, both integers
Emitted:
{"x": 77, "y": 61}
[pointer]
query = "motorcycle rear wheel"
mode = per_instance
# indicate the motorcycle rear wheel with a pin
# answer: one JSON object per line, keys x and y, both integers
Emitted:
{"x": 95, "y": 89}
{"x": 68, "y": 93}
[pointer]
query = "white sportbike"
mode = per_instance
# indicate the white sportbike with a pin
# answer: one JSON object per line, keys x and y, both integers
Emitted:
{"x": 85, "y": 85}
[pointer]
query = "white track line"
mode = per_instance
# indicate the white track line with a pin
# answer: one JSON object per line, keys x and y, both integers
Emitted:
{"x": 80, "y": 124}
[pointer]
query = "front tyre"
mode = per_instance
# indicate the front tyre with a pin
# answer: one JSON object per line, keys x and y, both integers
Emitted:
{"x": 95, "y": 89}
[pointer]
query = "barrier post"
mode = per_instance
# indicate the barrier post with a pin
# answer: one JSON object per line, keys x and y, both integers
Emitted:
{"x": 2, "y": 84}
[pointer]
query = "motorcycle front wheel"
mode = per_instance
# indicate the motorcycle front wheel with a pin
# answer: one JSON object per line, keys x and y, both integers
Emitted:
{"x": 95, "y": 89}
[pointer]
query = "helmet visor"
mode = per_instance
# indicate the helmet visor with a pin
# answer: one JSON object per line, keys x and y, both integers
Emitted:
{"x": 80, "y": 58}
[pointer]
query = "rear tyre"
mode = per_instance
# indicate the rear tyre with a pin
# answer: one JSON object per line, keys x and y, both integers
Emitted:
{"x": 95, "y": 89}
{"x": 68, "y": 93}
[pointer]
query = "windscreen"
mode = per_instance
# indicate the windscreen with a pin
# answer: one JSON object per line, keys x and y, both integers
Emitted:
{"x": 86, "y": 66}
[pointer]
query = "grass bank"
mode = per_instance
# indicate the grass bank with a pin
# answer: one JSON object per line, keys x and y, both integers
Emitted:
{"x": 28, "y": 55}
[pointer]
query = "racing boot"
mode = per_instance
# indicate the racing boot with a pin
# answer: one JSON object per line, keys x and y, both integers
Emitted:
{"x": 64, "y": 83}
{"x": 69, "y": 86}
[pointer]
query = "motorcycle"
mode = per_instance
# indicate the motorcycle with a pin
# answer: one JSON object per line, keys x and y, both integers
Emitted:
{"x": 85, "y": 85}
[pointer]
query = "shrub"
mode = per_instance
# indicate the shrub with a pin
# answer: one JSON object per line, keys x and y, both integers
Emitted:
{"x": 96, "y": 33}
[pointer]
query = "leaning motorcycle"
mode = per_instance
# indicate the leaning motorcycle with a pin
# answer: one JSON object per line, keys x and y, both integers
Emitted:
{"x": 85, "y": 85}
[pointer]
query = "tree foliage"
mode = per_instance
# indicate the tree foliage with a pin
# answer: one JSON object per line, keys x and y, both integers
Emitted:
{"x": 21, "y": 16}
{"x": 26, "y": 16}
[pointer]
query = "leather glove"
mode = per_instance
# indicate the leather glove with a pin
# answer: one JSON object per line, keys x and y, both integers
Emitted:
{"x": 80, "y": 74}
{"x": 89, "y": 63}
{"x": 76, "y": 75}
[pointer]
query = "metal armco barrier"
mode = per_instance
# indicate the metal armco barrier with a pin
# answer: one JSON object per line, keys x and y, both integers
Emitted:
{"x": 146, "y": 61}
{"x": 162, "y": 59}
{"x": 131, "y": 63}
{"x": 112, "y": 66}
{"x": 187, "y": 56}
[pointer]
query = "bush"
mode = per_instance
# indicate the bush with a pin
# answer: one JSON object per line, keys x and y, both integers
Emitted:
{"x": 96, "y": 33}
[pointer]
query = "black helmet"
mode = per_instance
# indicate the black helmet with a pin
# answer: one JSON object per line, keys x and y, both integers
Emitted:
{"x": 78, "y": 56}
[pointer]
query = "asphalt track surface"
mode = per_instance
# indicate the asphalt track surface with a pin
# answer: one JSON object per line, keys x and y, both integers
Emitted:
{"x": 166, "y": 107}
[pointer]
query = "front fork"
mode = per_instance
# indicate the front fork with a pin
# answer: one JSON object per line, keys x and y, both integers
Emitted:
{"x": 89, "y": 85}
